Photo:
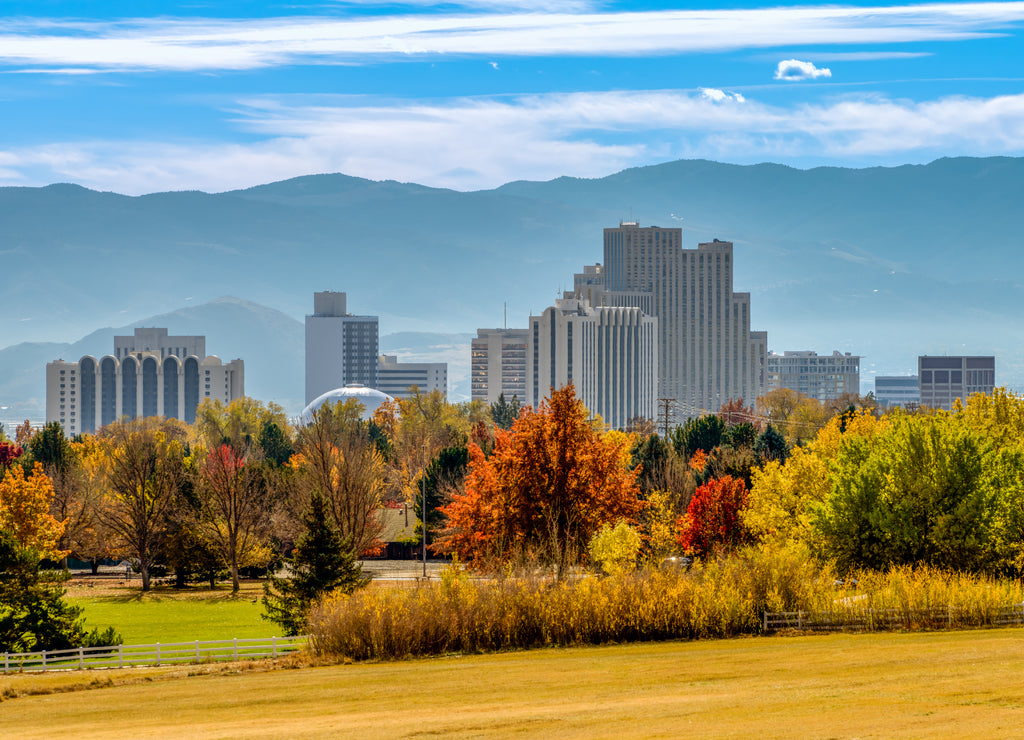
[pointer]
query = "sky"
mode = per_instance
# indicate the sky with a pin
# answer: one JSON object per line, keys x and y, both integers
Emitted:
{"x": 135, "y": 97}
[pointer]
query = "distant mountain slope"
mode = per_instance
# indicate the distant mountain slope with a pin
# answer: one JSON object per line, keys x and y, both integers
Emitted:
{"x": 885, "y": 262}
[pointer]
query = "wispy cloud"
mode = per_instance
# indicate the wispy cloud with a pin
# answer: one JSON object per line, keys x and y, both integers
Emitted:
{"x": 175, "y": 44}
{"x": 794, "y": 70}
{"x": 483, "y": 142}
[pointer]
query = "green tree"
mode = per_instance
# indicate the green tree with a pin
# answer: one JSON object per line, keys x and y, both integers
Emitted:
{"x": 770, "y": 445}
{"x": 33, "y": 613}
{"x": 445, "y": 475}
{"x": 323, "y": 562}
{"x": 703, "y": 433}
{"x": 274, "y": 444}
{"x": 504, "y": 413}
{"x": 919, "y": 492}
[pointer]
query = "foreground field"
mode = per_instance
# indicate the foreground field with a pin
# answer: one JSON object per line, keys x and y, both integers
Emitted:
{"x": 940, "y": 684}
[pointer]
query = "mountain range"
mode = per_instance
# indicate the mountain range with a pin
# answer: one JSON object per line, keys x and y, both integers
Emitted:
{"x": 888, "y": 263}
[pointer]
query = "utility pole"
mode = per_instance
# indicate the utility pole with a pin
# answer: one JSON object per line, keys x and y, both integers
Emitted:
{"x": 665, "y": 404}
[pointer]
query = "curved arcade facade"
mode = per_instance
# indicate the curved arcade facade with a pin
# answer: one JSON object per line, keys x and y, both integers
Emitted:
{"x": 149, "y": 374}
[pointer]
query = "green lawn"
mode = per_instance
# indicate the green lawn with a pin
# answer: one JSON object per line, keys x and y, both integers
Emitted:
{"x": 882, "y": 685}
{"x": 165, "y": 615}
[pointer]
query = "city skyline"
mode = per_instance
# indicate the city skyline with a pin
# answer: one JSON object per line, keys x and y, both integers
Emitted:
{"x": 477, "y": 93}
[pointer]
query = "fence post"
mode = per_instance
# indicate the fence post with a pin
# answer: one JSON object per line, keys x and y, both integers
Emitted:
{"x": 197, "y": 651}
{"x": 235, "y": 642}
{"x": 81, "y": 658}
{"x": 273, "y": 645}
{"x": 120, "y": 655}
{"x": 44, "y": 660}
{"x": 765, "y": 628}
{"x": 7, "y": 662}
{"x": 800, "y": 620}
{"x": 158, "y": 653}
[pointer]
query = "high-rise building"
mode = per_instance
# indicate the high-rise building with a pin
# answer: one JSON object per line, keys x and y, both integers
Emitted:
{"x": 150, "y": 374}
{"x": 397, "y": 378}
{"x": 824, "y": 377}
{"x": 944, "y": 379}
{"x": 609, "y": 353}
{"x": 707, "y": 354}
{"x": 897, "y": 390}
{"x": 499, "y": 365}
{"x": 341, "y": 349}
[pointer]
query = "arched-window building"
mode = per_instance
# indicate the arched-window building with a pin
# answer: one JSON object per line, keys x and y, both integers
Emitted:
{"x": 146, "y": 376}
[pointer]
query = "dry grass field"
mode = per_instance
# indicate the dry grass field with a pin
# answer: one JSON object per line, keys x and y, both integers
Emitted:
{"x": 938, "y": 684}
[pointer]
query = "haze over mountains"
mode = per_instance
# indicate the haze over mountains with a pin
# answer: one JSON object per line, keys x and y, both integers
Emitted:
{"x": 884, "y": 262}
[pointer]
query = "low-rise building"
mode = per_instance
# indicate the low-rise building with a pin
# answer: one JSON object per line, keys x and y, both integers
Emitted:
{"x": 944, "y": 379}
{"x": 397, "y": 379}
{"x": 823, "y": 377}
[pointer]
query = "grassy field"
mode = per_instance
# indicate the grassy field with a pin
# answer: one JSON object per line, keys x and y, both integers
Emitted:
{"x": 167, "y": 615}
{"x": 939, "y": 684}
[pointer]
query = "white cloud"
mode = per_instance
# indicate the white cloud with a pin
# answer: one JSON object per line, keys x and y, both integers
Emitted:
{"x": 471, "y": 143}
{"x": 720, "y": 96}
{"x": 175, "y": 44}
{"x": 794, "y": 69}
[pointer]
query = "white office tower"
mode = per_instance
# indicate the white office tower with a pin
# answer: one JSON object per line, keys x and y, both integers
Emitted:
{"x": 499, "y": 365}
{"x": 609, "y": 353}
{"x": 341, "y": 349}
{"x": 398, "y": 378}
{"x": 707, "y": 354}
{"x": 149, "y": 374}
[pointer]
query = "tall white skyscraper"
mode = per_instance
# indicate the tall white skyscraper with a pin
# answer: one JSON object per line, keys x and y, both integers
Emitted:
{"x": 341, "y": 349}
{"x": 707, "y": 354}
{"x": 609, "y": 353}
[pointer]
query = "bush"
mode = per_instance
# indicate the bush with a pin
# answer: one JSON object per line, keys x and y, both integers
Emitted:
{"x": 721, "y": 598}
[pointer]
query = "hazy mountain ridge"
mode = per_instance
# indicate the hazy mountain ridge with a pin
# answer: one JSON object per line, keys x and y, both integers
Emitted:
{"x": 885, "y": 262}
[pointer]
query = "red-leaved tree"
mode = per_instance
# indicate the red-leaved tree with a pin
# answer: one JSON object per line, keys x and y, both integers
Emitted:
{"x": 546, "y": 488}
{"x": 712, "y": 522}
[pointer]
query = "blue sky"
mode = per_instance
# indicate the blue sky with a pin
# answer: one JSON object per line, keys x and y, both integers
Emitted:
{"x": 137, "y": 97}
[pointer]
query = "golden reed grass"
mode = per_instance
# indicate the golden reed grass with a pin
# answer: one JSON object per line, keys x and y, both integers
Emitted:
{"x": 722, "y": 598}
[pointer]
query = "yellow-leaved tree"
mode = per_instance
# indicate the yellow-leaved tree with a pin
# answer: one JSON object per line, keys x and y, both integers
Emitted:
{"x": 25, "y": 510}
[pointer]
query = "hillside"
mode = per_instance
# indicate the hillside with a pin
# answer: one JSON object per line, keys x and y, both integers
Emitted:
{"x": 884, "y": 262}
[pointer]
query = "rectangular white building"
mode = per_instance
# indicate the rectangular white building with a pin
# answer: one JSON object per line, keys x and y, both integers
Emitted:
{"x": 499, "y": 365}
{"x": 707, "y": 354}
{"x": 398, "y": 378}
{"x": 341, "y": 349}
{"x": 609, "y": 353}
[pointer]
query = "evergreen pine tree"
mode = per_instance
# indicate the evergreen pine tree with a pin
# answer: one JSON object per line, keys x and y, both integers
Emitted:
{"x": 323, "y": 561}
{"x": 33, "y": 613}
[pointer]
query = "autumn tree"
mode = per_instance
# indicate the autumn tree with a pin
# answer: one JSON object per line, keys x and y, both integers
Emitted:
{"x": 9, "y": 452}
{"x": 713, "y": 523}
{"x": 239, "y": 423}
{"x": 234, "y": 506}
{"x": 144, "y": 473}
{"x": 25, "y": 511}
{"x": 336, "y": 458}
{"x": 547, "y": 487}
{"x": 733, "y": 412}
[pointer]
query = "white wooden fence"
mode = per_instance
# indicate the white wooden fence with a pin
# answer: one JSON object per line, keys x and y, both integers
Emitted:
{"x": 123, "y": 656}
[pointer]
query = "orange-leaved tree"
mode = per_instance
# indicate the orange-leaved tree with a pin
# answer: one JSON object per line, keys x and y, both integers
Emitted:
{"x": 546, "y": 488}
{"x": 712, "y": 522}
{"x": 25, "y": 510}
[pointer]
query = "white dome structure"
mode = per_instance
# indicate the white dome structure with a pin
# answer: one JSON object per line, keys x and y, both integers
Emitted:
{"x": 369, "y": 397}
